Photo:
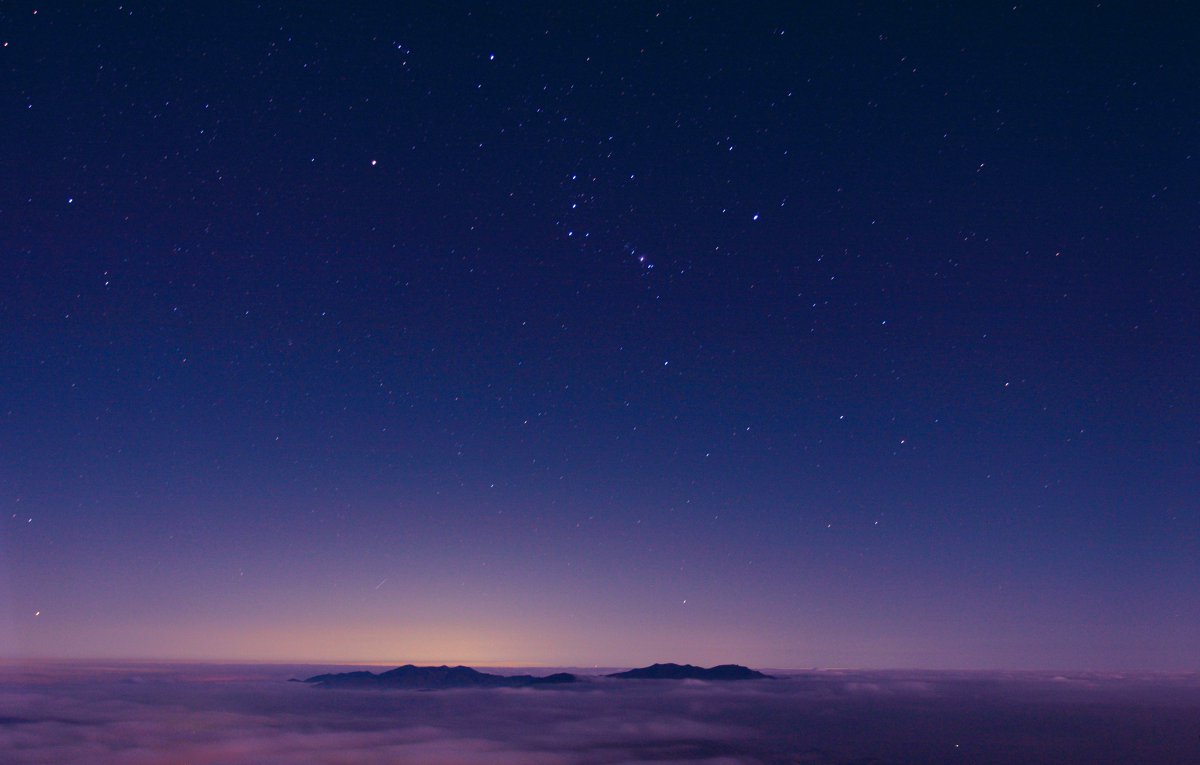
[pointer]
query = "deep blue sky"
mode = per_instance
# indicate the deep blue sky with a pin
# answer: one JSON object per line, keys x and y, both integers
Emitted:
{"x": 863, "y": 335}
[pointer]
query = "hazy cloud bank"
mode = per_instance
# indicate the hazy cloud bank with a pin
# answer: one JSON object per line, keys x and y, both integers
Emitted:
{"x": 206, "y": 715}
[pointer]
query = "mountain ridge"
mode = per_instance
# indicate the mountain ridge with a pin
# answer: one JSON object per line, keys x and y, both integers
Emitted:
{"x": 670, "y": 671}
{"x": 429, "y": 678}
{"x": 410, "y": 676}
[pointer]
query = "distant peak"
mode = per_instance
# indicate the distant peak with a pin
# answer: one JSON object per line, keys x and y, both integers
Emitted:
{"x": 691, "y": 672}
{"x": 430, "y": 678}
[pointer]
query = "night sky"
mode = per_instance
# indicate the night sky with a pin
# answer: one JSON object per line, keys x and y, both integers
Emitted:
{"x": 831, "y": 335}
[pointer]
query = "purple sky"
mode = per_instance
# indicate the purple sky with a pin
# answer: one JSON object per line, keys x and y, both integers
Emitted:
{"x": 787, "y": 337}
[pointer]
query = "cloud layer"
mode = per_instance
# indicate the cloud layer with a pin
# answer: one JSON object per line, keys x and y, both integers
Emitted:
{"x": 206, "y": 715}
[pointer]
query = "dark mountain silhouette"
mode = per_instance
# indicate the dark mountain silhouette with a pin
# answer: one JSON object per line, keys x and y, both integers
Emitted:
{"x": 425, "y": 678}
{"x": 689, "y": 672}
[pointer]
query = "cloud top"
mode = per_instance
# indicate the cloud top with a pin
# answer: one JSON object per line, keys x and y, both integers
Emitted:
{"x": 208, "y": 715}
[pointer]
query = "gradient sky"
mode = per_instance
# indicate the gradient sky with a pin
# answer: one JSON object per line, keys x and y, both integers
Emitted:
{"x": 858, "y": 335}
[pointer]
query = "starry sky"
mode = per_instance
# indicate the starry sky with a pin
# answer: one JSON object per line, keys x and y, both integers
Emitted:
{"x": 814, "y": 334}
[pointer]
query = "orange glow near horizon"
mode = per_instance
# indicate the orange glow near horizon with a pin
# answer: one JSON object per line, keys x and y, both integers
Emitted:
{"x": 488, "y": 642}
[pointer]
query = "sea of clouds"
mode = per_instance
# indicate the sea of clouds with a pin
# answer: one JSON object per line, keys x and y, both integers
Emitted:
{"x": 221, "y": 715}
